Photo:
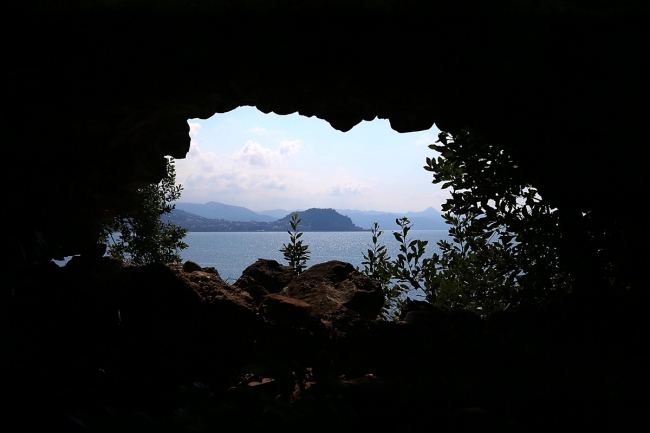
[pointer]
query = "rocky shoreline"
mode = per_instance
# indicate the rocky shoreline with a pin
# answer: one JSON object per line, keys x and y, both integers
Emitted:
{"x": 100, "y": 346}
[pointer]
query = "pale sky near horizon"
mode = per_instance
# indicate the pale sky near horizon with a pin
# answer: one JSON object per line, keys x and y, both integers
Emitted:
{"x": 267, "y": 161}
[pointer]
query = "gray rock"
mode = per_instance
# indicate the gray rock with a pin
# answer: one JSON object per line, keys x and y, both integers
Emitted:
{"x": 258, "y": 293}
{"x": 281, "y": 309}
{"x": 190, "y": 266}
{"x": 333, "y": 286}
{"x": 266, "y": 273}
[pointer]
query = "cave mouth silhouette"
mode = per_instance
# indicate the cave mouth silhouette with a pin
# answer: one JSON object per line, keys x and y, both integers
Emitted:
{"x": 563, "y": 86}
{"x": 562, "y": 83}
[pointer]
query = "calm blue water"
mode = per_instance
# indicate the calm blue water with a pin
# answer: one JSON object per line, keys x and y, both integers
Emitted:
{"x": 231, "y": 253}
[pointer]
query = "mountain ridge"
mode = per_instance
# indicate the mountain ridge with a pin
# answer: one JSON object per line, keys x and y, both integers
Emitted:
{"x": 428, "y": 219}
{"x": 314, "y": 219}
{"x": 223, "y": 211}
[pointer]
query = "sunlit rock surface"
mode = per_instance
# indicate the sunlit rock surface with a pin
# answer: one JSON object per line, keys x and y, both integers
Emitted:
{"x": 332, "y": 286}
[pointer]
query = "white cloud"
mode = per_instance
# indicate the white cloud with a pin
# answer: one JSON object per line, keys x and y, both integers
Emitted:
{"x": 348, "y": 190}
{"x": 272, "y": 181}
{"x": 254, "y": 153}
{"x": 242, "y": 175}
{"x": 194, "y": 129}
{"x": 289, "y": 148}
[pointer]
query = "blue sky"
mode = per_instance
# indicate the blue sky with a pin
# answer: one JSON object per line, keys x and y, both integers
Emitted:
{"x": 266, "y": 161}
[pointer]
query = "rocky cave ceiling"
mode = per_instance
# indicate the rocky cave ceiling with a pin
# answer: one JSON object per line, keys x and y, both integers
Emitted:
{"x": 96, "y": 93}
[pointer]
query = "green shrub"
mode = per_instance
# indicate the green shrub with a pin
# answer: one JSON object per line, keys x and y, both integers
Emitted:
{"x": 295, "y": 252}
{"x": 504, "y": 237}
{"x": 143, "y": 237}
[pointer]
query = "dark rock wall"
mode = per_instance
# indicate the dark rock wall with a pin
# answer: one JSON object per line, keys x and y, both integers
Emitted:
{"x": 94, "y": 96}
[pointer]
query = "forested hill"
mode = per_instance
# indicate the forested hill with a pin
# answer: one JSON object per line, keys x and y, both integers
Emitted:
{"x": 325, "y": 220}
{"x": 322, "y": 220}
{"x": 222, "y": 211}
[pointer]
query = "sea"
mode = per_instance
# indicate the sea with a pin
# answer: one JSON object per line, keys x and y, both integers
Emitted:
{"x": 232, "y": 252}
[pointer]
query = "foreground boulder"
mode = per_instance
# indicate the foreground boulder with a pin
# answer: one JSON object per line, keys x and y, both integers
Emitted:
{"x": 334, "y": 286}
{"x": 258, "y": 293}
{"x": 289, "y": 311}
{"x": 422, "y": 313}
{"x": 209, "y": 286}
{"x": 264, "y": 277}
{"x": 191, "y": 266}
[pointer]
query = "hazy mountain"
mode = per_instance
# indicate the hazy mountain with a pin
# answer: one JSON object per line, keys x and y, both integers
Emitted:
{"x": 428, "y": 219}
{"x": 276, "y": 213}
{"x": 216, "y": 210}
{"x": 196, "y": 223}
{"x": 429, "y": 213}
{"x": 316, "y": 220}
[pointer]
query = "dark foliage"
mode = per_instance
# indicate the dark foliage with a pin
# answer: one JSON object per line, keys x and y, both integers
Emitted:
{"x": 143, "y": 237}
{"x": 505, "y": 236}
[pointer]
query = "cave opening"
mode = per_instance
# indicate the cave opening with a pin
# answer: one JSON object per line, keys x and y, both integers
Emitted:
{"x": 269, "y": 161}
{"x": 564, "y": 83}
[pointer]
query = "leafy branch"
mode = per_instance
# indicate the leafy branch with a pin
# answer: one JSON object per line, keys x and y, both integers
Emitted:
{"x": 295, "y": 252}
{"x": 503, "y": 249}
{"x": 143, "y": 236}
{"x": 377, "y": 266}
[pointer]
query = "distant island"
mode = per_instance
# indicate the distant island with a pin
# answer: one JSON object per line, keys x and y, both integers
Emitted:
{"x": 312, "y": 220}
